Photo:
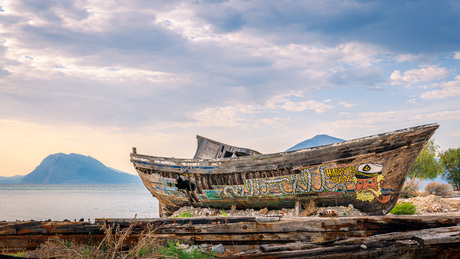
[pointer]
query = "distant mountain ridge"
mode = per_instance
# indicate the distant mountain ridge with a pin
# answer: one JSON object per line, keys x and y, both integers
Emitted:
{"x": 318, "y": 140}
{"x": 11, "y": 179}
{"x": 61, "y": 168}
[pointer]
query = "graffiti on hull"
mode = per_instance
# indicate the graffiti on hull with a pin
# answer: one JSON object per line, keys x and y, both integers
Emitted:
{"x": 288, "y": 185}
{"x": 369, "y": 180}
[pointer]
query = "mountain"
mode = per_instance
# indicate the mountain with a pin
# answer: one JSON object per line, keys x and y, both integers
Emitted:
{"x": 76, "y": 169}
{"x": 11, "y": 180}
{"x": 318, "y": 140}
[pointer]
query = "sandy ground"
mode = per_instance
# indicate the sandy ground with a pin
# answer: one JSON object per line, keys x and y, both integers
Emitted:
{"x": 434, "y": 204}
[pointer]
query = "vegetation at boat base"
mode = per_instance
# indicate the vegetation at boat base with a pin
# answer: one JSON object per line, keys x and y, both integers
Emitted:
{"x": 223, "y": 213}
{"x": 405, "y": 208}
{"x": 185, "y": 214}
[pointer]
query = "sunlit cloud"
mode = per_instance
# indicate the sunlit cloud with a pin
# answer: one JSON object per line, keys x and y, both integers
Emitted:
{"x": 443, "y": 115}
{"x": 419, "y": 75}
{"x": 457, "y": 55}
{"x": 448, "y": 89}
{"x": 346, "y": 104}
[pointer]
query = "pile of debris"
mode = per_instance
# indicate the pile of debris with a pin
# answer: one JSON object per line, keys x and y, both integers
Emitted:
{"x": 339, "y": 211}
{"x": 430, "y": 204}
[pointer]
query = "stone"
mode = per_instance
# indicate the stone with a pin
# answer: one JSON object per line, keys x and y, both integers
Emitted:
{"x": 220, "y": 249}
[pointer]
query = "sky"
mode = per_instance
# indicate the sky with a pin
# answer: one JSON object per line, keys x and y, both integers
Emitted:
{"x": 97, "y": 77}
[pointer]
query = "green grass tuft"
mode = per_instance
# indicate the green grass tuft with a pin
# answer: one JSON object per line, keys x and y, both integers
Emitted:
{"x": 185, "y": 214}
{"x": 172, "y": 250}
{"x": 405, "y": 208}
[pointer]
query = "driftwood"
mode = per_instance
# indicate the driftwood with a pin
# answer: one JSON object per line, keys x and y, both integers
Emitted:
{"x": 264, "y": 234}
{"x": 431, "y": 243}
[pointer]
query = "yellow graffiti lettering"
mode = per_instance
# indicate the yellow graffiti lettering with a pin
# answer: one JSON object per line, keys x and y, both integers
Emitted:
{"x": 341, "y": 174}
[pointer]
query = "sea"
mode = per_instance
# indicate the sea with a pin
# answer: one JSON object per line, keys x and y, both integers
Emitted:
{"x": 75, "y": 202}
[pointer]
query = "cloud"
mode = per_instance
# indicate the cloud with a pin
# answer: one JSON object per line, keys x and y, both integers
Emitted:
{"x": 346, "y": 104}
{"x": 4, "y": 72}
{"x": 413, "y": 101}
{"x": 457, "y": 55}
{"x": 319, "y": 107}
{"x": 443, "y": 115}
{"x": 249, "y": 116}
{"x": 424, "y": 74}
{"x": 234, "y": 63}
{"x": 448, "y": 89}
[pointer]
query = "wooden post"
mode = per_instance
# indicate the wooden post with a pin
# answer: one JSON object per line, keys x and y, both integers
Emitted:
{"x": 297, "y": 208}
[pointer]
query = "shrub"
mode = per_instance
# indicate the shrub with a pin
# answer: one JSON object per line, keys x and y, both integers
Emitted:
{"x": 408, "y": 192}
{"x": 411, "y": 188}
{"x": 438, "y": 189}
{"x": 405, "y": 208}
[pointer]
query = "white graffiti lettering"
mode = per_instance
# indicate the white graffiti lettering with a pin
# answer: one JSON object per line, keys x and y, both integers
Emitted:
{"x": 262, "y": 187}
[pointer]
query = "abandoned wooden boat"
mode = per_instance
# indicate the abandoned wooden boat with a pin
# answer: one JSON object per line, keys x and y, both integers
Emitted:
{"x": 367, "y": 172}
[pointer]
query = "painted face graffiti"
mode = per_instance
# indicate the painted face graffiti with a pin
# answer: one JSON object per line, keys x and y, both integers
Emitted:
{"x": 368, "y": 182}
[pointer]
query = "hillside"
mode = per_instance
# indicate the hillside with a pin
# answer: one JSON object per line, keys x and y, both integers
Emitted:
{"x": 318, "y": 140}
{"x": 76, "y": 169}
{"x": 11, "y": 180}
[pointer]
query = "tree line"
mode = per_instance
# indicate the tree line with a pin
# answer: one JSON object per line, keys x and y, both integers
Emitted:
{"x": 431, "y": 163}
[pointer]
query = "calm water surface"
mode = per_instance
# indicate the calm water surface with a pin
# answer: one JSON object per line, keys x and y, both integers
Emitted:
{"x": 59, "y": 202}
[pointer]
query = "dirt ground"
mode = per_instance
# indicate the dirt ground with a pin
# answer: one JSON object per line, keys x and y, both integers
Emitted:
{"x": 425, "y": 205}
{"x": 434, "y": 204}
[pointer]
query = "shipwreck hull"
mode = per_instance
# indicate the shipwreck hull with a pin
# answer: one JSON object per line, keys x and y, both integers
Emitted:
{"x": 368, "y": 173}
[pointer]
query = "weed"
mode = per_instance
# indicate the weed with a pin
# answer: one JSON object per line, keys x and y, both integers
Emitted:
{"x": 172, "y": 250}
{"x": 405, "y": 208}
{"x": 309, "y": 208}
{"x": 185, "y": 214}
{"x": 22, "y": 254}
{"x": 223, "y": 213}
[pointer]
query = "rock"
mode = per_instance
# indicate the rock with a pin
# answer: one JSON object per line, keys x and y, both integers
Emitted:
{"x": 349, "y": 208}
{"x": 328, "y": 213}
{"x": 220, "y": 249}
{"x": 363, "y": 246}
{"x": 183, "y": 246}
{"x": 191, "y": 248}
